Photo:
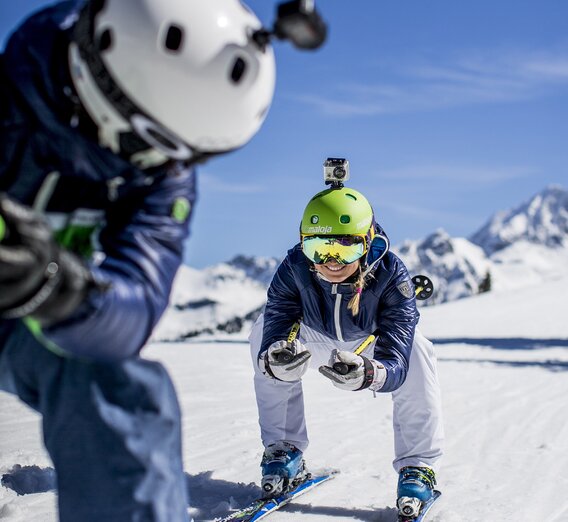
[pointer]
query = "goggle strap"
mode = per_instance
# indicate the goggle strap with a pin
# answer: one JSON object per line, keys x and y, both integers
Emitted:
{"x": 366, "y": 269}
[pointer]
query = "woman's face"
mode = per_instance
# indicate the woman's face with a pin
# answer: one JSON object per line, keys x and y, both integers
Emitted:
{"x": 336, "y": 272}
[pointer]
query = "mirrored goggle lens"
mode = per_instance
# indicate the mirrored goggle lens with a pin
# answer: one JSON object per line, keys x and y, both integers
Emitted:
{"x": 342, "y": 249}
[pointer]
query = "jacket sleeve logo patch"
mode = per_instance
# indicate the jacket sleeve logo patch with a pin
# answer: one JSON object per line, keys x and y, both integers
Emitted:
{"x": 405, "y": 289}
{"x": 181, "y": 209}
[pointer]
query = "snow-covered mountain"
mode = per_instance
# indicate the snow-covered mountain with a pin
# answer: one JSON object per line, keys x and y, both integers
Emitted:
{"x": 456, "y": 266}
{"x": 515, "y": 248}
{"x": 218, "y": 300}
{"x": 542, "y": 220}
{"x": 524, "y": 246}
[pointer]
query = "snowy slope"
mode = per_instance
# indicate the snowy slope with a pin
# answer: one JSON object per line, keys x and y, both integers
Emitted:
{"x": 220, "y": 299}
{"x": 503, "y": 363}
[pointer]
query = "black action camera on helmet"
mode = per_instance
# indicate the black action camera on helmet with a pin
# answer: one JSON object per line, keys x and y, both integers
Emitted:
{"x": 335, "y": 171}
{"x": 297, "y": 21}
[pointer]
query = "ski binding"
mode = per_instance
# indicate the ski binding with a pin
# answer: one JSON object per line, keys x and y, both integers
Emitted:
{"x": 423, "y": 510}
{"x": 262, "y": 507}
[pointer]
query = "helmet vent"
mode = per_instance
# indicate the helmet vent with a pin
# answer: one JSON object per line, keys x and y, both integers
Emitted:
{"x": 105, "y": 40}
{"x": 351, "y": 196}
{"x": 238, "y": 71}
{"x": 344, "y": 219}
{"x": 174, "y": 38}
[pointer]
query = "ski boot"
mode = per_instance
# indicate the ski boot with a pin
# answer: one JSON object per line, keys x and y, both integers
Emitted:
{"x": 415, "y": 486}
{"x": 282, "y": 469}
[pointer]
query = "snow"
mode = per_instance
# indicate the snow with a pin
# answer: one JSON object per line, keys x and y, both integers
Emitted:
{"x": 543, "y": 219}
{"x": 203, "y": 299}
{"x": 525, "y": 264}
{"x": 455, "y": 265}
{"x": 503, "y": 362}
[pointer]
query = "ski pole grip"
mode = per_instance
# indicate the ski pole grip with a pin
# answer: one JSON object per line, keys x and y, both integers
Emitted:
{"x": 344, "y": 368}
{"x": 284, "y": 356}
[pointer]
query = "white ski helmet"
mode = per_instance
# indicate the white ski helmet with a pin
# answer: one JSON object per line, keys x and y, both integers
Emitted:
{"x": 185, "y": 75}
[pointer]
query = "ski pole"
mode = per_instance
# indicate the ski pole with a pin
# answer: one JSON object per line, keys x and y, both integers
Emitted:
{"x": 344, "y": 368}
{"x": 285, "y": 355}
{"x": 423, "y": 289}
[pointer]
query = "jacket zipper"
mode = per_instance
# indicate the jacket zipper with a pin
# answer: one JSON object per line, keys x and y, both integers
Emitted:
{"x": 337, "y": 313}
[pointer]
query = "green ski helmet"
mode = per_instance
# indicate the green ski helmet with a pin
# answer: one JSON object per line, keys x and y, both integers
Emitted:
{"x": 337, "y": 224}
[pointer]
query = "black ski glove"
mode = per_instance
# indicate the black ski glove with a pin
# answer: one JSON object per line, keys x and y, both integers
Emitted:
{"x": 37, "y": 277}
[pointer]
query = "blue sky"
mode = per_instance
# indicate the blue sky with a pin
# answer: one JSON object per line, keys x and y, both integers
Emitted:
{"x": 447, "y": 111}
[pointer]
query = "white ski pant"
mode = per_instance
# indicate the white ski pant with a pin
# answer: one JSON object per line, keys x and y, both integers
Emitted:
{"x": 417, "y": 409}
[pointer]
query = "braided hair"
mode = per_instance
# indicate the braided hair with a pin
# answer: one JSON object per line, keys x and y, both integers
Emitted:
{"x": 359, "y": 284}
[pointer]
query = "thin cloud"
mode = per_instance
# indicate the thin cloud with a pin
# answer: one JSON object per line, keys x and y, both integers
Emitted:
{"x": 457, "y": 174}
{"x": 497, "y": 77}
{"x": 427, "y": 213}
{"x": 424, "y": 213}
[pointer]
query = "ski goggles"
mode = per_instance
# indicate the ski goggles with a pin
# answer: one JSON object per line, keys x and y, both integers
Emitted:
{"x": 341, "y": 249}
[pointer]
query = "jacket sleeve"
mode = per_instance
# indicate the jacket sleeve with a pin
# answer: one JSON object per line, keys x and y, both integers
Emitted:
{"x": 142, "y": 249}
{"x": 397, "y": 321}
{"x": 283, "y": 306}
{"x": 141, "y": 241}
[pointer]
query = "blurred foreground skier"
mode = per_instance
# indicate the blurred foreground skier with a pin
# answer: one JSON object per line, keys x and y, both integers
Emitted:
{"x": 345, "y": 290}
{"x": 105, "y": 108}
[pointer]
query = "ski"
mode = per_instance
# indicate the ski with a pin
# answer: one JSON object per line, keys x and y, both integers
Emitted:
{"x": 423, "y": 510}
{"x": 261, "y": 508}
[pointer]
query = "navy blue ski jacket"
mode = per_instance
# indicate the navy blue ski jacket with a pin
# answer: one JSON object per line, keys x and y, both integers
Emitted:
{"x": 297, "y": 292}
{"x": 50, "y": 161}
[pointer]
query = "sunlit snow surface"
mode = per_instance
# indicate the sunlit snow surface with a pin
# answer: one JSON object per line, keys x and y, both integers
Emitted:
{"x": 503, "y": 362}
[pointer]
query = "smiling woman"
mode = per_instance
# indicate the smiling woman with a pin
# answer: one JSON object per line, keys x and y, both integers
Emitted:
{"x": 345, "y": 232}
{"x": 353, "y": 301}
{"x": 335, "y": 272}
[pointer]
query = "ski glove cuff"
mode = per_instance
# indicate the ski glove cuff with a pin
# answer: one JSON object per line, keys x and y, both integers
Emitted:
{"x": 361, "y": 372}
{"x": 285, "y": 361}
{"x": 37, "y": 277}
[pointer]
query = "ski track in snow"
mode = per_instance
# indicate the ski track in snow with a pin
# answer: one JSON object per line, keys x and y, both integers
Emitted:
{"x": 504, "y": 391}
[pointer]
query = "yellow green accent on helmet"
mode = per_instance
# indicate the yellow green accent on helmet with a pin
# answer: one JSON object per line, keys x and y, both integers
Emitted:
{"x": 337, "y": 212}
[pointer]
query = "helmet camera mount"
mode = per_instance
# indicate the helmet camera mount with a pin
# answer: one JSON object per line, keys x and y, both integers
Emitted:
{"x": 297, "y": 21}
{"x": 335, "y": 172}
